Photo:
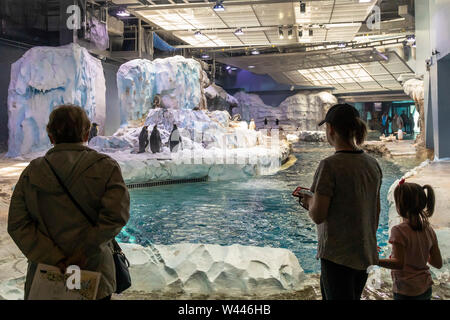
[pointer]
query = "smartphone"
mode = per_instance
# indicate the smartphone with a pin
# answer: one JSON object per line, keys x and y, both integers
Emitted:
{"x": 300, "y": 191}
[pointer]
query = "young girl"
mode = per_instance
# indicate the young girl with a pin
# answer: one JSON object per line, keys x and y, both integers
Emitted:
{"x": 414, "y": 243}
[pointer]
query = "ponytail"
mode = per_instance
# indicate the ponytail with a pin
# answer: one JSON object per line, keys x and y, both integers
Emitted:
{"x": 414, "y": 204}
{"x": 360, "y": 131}
{"x": 354, "y": 132}
{"x": 430, "y": 200}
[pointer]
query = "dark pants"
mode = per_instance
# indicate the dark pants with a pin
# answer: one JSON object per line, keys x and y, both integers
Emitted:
{"x": 424, "y": 296}
{"x": 338, "y": 282}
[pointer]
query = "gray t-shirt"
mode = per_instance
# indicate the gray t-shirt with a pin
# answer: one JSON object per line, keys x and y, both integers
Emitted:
{"x": 348, "y": 235}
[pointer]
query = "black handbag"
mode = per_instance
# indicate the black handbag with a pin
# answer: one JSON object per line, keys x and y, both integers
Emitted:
{"x": 123, "y": 277}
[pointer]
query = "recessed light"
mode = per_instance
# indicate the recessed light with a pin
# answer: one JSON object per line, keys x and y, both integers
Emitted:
{"x": 218, "y": 7}
{"x": 280, "y": 33}
{"x": 239, "y": 32}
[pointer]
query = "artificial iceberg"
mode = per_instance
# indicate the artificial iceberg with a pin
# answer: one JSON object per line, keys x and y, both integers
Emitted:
{"x": 299, "y": 112}
{"x": 44, "y": 78}
{"x": 213, "y": 146}
{"x": 176, "y": 79}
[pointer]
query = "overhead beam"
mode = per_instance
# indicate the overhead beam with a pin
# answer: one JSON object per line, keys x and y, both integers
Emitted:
{"x": 139, "y": 7}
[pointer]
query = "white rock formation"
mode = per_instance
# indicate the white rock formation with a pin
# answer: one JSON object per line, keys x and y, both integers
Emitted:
{"x": 42, "y": 79}
{"x": 219, "y": 99}
{"x": 176, "y": 79}
{"x": 414, "y": 89}
{"x": 302, "y": 111}
{"x": 209, "y": 268}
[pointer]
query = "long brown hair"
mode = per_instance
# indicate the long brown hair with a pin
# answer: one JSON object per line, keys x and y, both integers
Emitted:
{"x": 414, "y": 204}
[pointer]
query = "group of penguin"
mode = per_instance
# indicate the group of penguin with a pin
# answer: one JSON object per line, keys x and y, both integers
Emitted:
{"x": 155, "y": 139}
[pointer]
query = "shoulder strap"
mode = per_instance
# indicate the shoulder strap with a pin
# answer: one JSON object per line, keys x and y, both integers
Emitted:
{"x": 75, "y": 202}
{"x": 79, "y": 207}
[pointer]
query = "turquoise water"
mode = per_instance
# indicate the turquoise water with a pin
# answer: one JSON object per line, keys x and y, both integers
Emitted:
{"x": 259, "y": 211}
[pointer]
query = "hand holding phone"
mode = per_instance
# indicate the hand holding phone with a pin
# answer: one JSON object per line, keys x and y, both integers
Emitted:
{"x": 302, "y": 193}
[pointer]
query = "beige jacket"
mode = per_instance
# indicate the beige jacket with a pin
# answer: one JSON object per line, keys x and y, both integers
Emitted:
{"x": 46, "y": 225}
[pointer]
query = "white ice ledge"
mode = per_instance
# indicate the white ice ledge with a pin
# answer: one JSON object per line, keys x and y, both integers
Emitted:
{"x": 210, "y": 268}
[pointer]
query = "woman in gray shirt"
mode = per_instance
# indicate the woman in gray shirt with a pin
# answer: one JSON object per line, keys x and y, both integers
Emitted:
{"x": 345, "y": 207}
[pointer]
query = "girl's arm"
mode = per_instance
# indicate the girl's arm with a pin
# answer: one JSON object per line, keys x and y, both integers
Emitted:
{"x": 396, "y": 263}
{"x": 435, "y": 256}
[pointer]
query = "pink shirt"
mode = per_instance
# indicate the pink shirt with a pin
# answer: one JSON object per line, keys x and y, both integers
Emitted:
{"x": 415, "y": 277}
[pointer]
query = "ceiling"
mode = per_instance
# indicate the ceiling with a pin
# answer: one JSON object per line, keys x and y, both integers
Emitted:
{"x": 311, "y": 57}
{"x": 329, "y": 20}
{"x": 379, "y": 75}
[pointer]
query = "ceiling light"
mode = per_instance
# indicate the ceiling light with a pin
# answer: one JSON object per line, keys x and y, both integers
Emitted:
{"x": 280, "y": 33}
{"x": 227, "y": 67}
{"x": 239, "y": 32}
{"x": 290, "y": 34}
{"x": 122, "y": 13}
{"x": 251, "y": 67}
{"x": 302, "y": 7}
{"x": 233, "y": 68}
{"x": 205, "y": 56}
{"x": 218, "y": 7}
{"x": 255, "y": 51}
{"x": 342, "y": 45}
{"x": 198, "y": 34}
{"x": 311, "y": 32}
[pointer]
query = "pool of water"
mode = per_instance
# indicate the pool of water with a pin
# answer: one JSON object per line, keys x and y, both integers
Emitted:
{"x": 259, "y": 211}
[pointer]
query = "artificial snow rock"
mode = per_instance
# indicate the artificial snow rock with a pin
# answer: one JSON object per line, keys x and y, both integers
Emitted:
{"x": 210, "y": 268}
{"x": 44, "y": 78}
{"x": 176, "y": 79}
{"x": 302, "y": 111}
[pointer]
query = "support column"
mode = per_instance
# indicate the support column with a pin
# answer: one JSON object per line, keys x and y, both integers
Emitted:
{"x": 428, "y": 113}
{"x": 440, "y": 106}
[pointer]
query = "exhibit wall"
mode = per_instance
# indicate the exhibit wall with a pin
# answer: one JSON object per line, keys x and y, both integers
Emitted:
{"x": 9, "y": 55}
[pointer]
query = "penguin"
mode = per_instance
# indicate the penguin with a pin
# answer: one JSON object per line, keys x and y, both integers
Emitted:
{"x": 155, "y": 140}
{"x": 156, "y": 101}
{"x": 143, "y": 139}
{"x": 174, "y": 139}
{"x": 93, "y": 132}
